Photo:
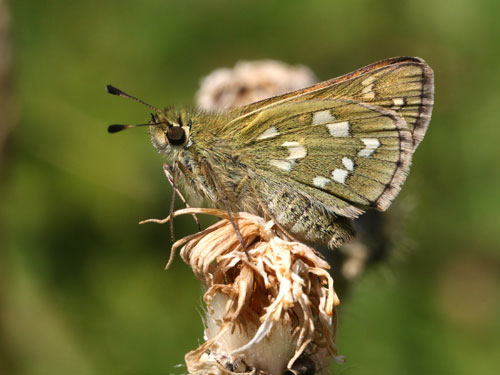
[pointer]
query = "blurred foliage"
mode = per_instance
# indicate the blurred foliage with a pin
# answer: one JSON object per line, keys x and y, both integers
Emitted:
{"x": 83, "y": 289}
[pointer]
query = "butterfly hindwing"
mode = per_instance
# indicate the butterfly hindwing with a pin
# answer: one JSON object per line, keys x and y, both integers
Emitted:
{"x": 357, "y": 153}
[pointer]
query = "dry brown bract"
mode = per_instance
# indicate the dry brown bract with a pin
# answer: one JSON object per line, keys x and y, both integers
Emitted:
{"x": 263, "y": 312}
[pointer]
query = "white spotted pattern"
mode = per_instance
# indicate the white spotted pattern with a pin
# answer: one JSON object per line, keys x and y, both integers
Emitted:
{"x": 340, "y": 175}
{"x": 320, "y": 181}
{"x": 282, "y": 164}
{"x": 297, "y": 151}
{"x": 368, "y": 81}
{"x": 371, "y": 144}
{"x": 368, "y": 93}
{"x": 398, "y": 101}
{"x": 368, "y": 89}
{"x": 348, "y": 163}
{"x": 339, "y": 129}
{"x": 269, "y": 133}
{"x": 322, "y": 117}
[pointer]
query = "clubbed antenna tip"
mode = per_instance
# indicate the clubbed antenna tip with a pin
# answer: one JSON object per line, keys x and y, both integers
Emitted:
{"x": 115, "y": 128}
{"x": 113, "y": 90}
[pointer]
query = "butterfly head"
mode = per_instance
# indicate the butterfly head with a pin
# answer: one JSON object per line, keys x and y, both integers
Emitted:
{"x": 168, "y": 130}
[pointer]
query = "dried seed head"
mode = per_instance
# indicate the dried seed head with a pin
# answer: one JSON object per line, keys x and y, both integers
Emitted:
{"x": 264, "y": 312}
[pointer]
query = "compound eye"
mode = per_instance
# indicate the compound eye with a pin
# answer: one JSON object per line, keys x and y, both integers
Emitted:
{"x": 176, "y": 135}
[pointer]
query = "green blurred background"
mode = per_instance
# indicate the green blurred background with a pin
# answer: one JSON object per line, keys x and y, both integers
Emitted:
{"x": 82, "y": 286}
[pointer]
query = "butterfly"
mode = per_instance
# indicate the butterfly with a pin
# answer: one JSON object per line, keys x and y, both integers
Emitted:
{"x": 312, "y": 159}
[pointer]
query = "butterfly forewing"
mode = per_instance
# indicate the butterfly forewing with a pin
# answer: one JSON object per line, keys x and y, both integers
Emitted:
{"x": 404, "y": 85}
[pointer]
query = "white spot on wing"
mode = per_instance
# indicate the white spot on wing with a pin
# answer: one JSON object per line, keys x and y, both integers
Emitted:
{"x": 340, "y": 175}
{"x": 371, "y": 144}
{"x": 282, "y": 164}
{"x": 297, "y": 151}
{"x": 367, "y": 92}
{"x": 348, "y": 163}
{"x": 322, "y": 117}
{"x": 368, "y": 81}
{"x": 269, "y": 133}
{"x": 320, "y": 181}
{"x": 339, "y": 129}
{"x": 368, "y": 89}
{"x": 398, "y": 101}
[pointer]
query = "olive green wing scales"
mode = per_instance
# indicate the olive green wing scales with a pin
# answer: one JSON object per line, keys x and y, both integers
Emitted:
{"x": 344, "y": 153}
{"x": 404, "y": 85}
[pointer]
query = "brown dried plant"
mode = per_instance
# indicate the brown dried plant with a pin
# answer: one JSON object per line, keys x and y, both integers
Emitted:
{"x": 262, "y": 312}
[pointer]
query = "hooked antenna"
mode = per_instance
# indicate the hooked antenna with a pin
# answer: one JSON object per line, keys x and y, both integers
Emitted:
{"x": 114, "y": 91}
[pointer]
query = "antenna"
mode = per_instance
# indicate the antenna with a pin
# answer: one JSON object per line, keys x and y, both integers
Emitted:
{"x": 115, "y": 128}
{"x": 114, "y": 91}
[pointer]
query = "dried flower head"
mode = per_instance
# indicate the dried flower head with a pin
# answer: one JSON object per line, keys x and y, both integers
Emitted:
{"x": 262, "y": 312}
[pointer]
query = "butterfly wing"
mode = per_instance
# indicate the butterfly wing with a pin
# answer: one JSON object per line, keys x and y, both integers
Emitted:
{"x": 344, "y": 152}
{"x": 404, "y": 85}
{"x": 316, "y": 157}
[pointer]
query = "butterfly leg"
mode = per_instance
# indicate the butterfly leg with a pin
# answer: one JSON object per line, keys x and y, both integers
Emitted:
{"x": 242, "y": 184}
{"x": 235, "y": 227}
{"x": 169, "y": 173}
{"x": 221, "y": 191}
{"x": 172, "y": 204}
